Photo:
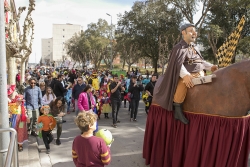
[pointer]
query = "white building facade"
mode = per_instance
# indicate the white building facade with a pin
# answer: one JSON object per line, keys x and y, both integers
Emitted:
{"x": 60, "y": 34}
{"x": 47, "y": 50}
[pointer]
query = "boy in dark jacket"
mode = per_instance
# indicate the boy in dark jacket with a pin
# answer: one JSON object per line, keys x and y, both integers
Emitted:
{"x": 135, "y": 89}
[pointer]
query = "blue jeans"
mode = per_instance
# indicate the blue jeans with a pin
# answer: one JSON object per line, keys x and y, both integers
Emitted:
{"x": 115, "y": 109}
{"x": 68, "y": 106}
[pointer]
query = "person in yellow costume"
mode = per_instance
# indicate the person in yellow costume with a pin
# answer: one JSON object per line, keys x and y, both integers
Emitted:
{"x": 108, "y": 90}
{"x": 95, "y": 82}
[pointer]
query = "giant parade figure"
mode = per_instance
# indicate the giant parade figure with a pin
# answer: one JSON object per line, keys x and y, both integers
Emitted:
{"x": 197, "y": 121}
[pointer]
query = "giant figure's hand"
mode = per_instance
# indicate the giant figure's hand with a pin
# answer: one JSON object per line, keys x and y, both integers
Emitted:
{"x": 214, "y": 68}
{"x": 187, "y": 80}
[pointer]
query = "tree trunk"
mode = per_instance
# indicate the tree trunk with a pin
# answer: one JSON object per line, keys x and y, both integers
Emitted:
{"x": 129, "y": 65}
{"x": 22, "y": 65}
{"x": 11, "y": 64}
{"x": 155, "y": 65}
{"x": 26, "y": 63}
{"x": 123, "y": 64}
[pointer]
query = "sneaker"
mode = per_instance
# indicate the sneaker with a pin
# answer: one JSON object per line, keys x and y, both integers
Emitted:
{"x": 33, "y": 134}
{"x": 118, "y": 121}
{"x": 47, "y": 151}
{"x": 20, "y": 148}
{"x": 114, "y": 125}
{"x": 58, "y": 142}
{"x": 63, "y": 121}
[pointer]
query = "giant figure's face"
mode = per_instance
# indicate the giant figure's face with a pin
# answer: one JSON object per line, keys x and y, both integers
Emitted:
{"x": 189, "y": 34}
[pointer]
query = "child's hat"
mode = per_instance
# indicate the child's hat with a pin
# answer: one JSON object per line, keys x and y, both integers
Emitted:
{"x": 10, "y": 89}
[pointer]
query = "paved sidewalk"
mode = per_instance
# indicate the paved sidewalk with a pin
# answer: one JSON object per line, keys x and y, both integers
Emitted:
{"x": 29, "y": 157}
{"x": 126, "y": 150}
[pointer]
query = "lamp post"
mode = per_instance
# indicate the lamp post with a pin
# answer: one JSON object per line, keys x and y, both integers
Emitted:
{"x": 4, "y": 121}
{"x": 111, "y": 43}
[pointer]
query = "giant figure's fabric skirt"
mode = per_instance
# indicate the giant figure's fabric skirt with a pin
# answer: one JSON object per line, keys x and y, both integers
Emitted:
{"x": 207, "y": 141}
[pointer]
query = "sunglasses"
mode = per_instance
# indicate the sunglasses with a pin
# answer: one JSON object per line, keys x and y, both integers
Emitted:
{"x": 32, "y": 83}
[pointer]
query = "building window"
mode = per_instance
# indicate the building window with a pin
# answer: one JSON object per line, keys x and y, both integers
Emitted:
{"x": 63, "y": 29}
{"x": 63, "y": 36}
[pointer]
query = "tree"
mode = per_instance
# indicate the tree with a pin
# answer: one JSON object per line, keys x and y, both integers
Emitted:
{"x": 12, "y": 46}
{"x": 213, "y": 32}
{"x": 77, "y": 48}
{"x": 23, "y": 46}
{"x": 146, "y": 22}
{"x": 220, "y": 22}
{"x": 189, "y": 8}
{"x": 26, "y": 40}
{"x": 98, "y": 36}
{"x": 91, "y": 44}
{"x": 128, "y": 49}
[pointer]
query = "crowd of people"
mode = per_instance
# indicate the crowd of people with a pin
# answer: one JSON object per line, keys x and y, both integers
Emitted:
{"x": 50, "y": 94}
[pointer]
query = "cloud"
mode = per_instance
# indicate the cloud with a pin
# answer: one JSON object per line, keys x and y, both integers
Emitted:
{"x": 81, "y": 12}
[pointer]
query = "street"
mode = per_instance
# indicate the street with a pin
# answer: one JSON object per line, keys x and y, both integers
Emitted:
{"x": 126, "y": 150}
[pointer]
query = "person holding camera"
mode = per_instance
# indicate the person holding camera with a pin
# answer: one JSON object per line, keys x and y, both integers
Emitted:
{"x": 115, "y": 97}
{"x": 135, "y": 89}
{"x": 149, "y": 89}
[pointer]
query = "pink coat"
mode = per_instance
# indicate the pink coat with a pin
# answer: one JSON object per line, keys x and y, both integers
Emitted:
{"x": 83, "y": 103}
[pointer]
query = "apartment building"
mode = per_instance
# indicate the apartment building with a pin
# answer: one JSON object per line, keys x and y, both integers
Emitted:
{"x": 54, "y": 48}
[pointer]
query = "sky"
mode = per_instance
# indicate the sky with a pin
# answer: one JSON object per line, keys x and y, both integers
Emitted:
{"x": 81, "y": 12}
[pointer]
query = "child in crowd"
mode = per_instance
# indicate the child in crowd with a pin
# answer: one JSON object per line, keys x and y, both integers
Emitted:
{"x": 95, "y": 106}
{"x": 105, "y": 105}
{"x": 97, "y": 99}
{"x": 86, "y": 143}
{"x": 48, "y": 124}
{"x": 68, "y": 98}
{"x": 48, "y": 97}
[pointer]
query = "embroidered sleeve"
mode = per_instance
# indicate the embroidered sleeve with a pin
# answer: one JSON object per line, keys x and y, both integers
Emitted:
{"x": 105, "y": 154}
{"x": 74, "y": 154}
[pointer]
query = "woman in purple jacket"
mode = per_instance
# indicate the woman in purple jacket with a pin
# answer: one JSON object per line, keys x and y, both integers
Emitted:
{"x": 85, "y": 100}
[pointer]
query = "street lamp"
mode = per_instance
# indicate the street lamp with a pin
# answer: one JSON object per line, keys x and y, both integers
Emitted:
{"x": 111, "y": 43}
